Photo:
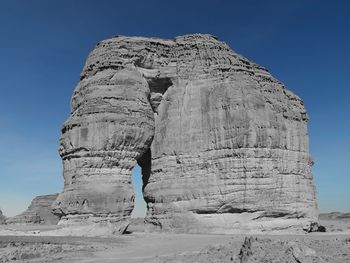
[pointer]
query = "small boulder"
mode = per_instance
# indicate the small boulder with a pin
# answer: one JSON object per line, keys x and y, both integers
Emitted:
{"x": 314, "y": 227}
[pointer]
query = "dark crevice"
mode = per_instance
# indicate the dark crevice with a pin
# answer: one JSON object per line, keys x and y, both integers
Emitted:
{"x": 222, "y": 210}
{"x": 233, "y": 210}
{"x": 275, "y": 214}
{"x": 157, "y": 86}
{"x": 145, "y": 163}
{"x": 200, "y": 211}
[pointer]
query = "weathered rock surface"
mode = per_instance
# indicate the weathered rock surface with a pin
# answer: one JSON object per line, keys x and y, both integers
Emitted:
{"x": 2, "y": 218}
{"x": 222, "y": 144}
{"x": 38, "y": 212}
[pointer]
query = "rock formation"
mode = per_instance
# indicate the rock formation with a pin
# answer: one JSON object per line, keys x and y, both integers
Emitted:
{"x": 223, "y": 145}
{"x": 38, "y": 212}
{"x": 2, "y": 218}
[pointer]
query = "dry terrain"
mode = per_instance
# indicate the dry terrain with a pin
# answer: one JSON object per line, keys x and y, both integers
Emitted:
{"x": 29, "y": 244}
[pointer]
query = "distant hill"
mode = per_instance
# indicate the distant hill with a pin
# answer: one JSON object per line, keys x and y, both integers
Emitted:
{"x": 39, "y": 212}
{"x": 334, "y": 215}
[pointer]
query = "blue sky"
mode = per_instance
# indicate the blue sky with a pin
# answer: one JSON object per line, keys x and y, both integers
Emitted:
{"x": 44, "y": 44}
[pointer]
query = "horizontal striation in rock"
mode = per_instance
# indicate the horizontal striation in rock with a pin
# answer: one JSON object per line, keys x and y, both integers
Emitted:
{"x": 110, "y": 126}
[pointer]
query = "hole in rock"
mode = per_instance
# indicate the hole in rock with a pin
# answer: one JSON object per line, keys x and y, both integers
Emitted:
{"x": 158, "y": 86}
{"x": 140, "y": 206}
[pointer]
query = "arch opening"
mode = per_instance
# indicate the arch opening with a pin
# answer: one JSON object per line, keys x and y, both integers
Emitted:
{"x": 140, "y": 206}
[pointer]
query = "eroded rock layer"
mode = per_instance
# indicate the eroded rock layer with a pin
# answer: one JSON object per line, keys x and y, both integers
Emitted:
{"x": 222, "y": 144}
{"x": 38, "y": 212}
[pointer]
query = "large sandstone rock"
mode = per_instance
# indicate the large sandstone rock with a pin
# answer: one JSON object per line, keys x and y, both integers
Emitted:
{"x": 38, "y": 212}
{"x": 222, "y": 144}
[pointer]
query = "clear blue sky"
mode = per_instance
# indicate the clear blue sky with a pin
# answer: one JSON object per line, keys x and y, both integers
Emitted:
{"x": 305, "y": 44}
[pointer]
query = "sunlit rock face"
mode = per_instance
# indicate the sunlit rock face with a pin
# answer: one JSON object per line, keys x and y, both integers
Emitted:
{"x": 223, "y": 145}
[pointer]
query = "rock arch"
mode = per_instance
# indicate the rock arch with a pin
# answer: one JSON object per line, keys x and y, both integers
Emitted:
{"x": 223, "y": 146}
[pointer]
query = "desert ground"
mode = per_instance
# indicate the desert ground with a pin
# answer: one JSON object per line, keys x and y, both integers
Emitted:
{"x": 29, "y": 244}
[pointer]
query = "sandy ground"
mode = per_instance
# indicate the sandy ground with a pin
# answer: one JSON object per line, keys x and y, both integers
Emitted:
{"x": 332, "y": 246}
